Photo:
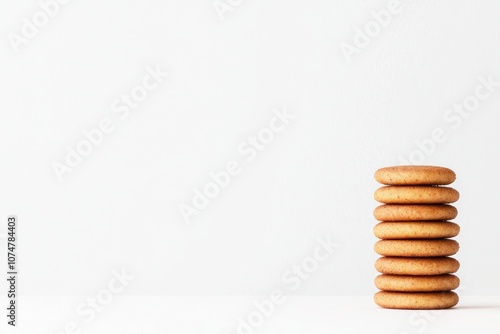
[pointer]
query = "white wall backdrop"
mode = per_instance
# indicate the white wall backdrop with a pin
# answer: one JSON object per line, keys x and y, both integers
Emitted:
{"x": 300, "y": 101}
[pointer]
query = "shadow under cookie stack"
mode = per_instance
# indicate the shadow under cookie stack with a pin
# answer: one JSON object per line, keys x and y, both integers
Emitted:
{"x": 415, "y": 229}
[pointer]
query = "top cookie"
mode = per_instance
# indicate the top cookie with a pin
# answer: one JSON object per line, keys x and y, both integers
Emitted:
{"x": 415, "y": 175}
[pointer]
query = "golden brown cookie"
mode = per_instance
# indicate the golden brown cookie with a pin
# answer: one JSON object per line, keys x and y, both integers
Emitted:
{"x": 415, "y": 175}
{"x": 417, "y": 266}
{"x": 416, "y": 195}
{"x": 416, "y": 230}
{"x": 416, "y": 300}
{"x": 401, "y": 212}
{"x": 417, "y": 247}
{"x": 415, "y": 283}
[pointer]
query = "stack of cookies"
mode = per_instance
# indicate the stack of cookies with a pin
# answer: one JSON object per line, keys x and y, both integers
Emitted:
{"x": 415, "y": 230}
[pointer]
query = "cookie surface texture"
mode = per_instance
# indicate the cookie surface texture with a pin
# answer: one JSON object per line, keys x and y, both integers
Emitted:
{"x": 417, "y": 247}
{"x": 417, "y": 266}
{"x": 397, "y": 212}
{"x": 416, "y": 283}
{"x": 416, "y": 195}
{"x": 415, "y": 175}
{"x": 416, "y": 300}
{"x": 416, "y": 230}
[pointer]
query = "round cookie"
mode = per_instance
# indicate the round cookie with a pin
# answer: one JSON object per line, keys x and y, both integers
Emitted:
{"x": 415, "y": 175}
{"x": 416, "y": 266}
{"x": 405, "y": 283}
{"x": 416, "y": 300}
{"x": 416, "y": 230}
{"x": 397, "y": 212}
{"x": 416, "y": 195}
{"x": 417, "y": 247}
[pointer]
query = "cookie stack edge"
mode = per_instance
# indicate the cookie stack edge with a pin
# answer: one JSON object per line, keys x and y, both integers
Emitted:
{"x": 415, "y": 229}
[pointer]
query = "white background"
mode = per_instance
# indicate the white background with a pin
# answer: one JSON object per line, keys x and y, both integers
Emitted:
{"x": 119, "y": 208}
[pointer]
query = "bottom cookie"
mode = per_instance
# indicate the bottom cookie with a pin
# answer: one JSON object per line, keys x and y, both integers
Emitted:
{"x": 416, "y": 300}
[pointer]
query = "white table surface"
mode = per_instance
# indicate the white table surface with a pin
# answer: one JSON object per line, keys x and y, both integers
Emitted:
{"x": 219, "y": 314}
